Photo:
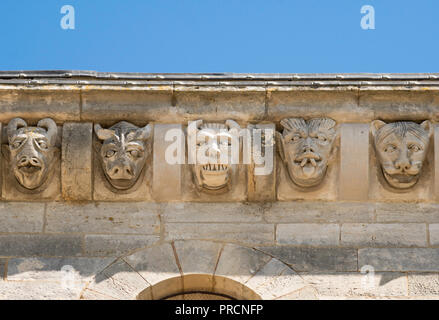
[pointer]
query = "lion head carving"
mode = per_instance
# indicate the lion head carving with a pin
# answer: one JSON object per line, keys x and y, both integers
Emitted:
{"x": 401, "y": 148}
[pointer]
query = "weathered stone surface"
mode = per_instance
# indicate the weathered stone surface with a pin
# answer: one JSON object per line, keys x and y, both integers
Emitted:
{"x": 383, "y": 235}
{"x": 116, "y": 245}
{"x": 3, "y": 263}
{"x": 58, "y": 103}
{"x": 356, "y": 284}
{"x": 308, "y": 234}
{"x": 274, "y": 280}
{"x": 21, "y": 217}
{"x": 338, "y": 104}
{"x": 354, "y": 161}
{"x": 434, "y": 234}
{"x": 213, "y": 103}
{"x": 315, "y": 259}
{"x": 76, "y": 170}
{"x": 400, "y": 259}
{"x": 407, "y": 212}
{"x": 26, "y": 245}
{"x": 211, "y": 212}
{"x": 306, "y": 293}
{"x": 133, "y": 218}
{"x": 118, "y": 281}
{"x": 139, "y": 104}
{"x": 39, "y": 290}
{"x": 246, "y": 263}
{"x": 323, "y": 212}
{"x": 197, "y": 256}
{"x": 166, "y": 183}
{"x": 242, "y": 232}
{"x": 423, "y": 284}
{"x": 155, "y": 264}
{"x": 55, "y": 269}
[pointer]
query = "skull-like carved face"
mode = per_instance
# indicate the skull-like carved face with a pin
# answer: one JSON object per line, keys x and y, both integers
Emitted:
{"x": 123, "y": 153}
{"x": 305, "y": 147}
{"x": 31, "y": 150}
{"x": 401, "y": 149}
{"x": 212, "y": 152}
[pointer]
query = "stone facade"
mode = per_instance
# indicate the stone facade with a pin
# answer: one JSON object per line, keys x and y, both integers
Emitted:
{"x": 338, "y": 201}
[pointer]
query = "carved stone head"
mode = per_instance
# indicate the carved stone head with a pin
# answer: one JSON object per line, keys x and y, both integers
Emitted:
{"x": 305, "y": 147}
{"x": 401, "y": 148}
{"x": 123, "y": 152}
{"x": 213, "y": 144}
{"x": 31, "y": 151}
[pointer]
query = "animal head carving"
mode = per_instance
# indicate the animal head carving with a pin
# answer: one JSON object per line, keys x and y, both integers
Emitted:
{"x": 31, "y": 150}
{"x": 123, "y": 152}
{"x": 305, "y": 147}
{"x": 401, "y": 148}
{"x": 213, "y": 153}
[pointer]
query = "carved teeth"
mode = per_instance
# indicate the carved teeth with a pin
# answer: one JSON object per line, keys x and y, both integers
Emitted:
{"x": 304, "y": 161}
{"x": 313, "y": 161}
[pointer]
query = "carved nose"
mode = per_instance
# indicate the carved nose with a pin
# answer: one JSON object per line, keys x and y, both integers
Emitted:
{"x": 403, "y": 165}
{"x": 121, "y": 172}
{"x": 25, "y": 160}
{"x": 308, "y": 149}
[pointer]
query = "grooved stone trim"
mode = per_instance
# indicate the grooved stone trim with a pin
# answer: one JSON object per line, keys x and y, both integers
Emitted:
{"x": 407, "y": 212}
{"x": 101, "y": 218}
{"x": 166, "y": 180}
{"x": 400, "y": 259}
{"x": 76, "y": 163}
{"x": 21, "y": 217}
{"x": 403, "y": 235}
{"x": 26, "y": 245}
{"x": 308, "y": 234}
{"x": 354, "y": 161}
{"x": 315, "y": 259}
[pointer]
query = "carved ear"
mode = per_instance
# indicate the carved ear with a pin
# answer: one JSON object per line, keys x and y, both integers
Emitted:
{"x": 376, "y": 125}
{"x": 426, "y": 125}
{"x": 144, "y": 133}
{"x": 97, "y": 146}
{"x": 280, "y": 145}
{"x": 103, "y": 134}
{"x": 6, "y": 152}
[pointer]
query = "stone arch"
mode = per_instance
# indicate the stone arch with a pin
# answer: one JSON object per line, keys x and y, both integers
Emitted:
{"x": 183, "y": 266}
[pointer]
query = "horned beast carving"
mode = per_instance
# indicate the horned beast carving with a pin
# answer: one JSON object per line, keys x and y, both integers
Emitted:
{"x": 123, "y": 153}
{"x": 305, "y": 147}
{"x": 31, "y": 151}
{"x": 401, "y": 149}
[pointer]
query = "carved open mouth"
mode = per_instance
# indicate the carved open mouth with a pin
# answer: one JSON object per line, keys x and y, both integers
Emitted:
{"x": 308, "y": 159}
{"x": 215, "y": 168}
{"x": 29, "y": 168}
{"x": 402, "y": 178}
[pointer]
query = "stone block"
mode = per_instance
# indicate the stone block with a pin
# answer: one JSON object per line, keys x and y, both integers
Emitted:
{"x": 39, "y": 290}
{"x": 167, "y": 177}
{"x": 76, "y": 161}
{"x": 434, "y": 234}
{"x": 239, "y": 232}
{"x": 56, "y": 102}
{"x": 407, "y": 212}
{"x": 319, "y": 212}
{"x": 400, "y": 259}
{"x": 354, "y": 157}
{"x": 308, "y": 234}
{"x": 26, "y": 245}
{"x": 423, "y": 284}
{"x": 384, "y": 235}
{"x": 3, "y": 263}
{"x": 315, "y": 259}
{"x": 21, "y": 217}
{"x": 197, "y": 257}
{"x": 101, "y": 218}
{"x": 98, "y": 245}
{"x": 211, "y": 212}
{"x": 306, "y": 293}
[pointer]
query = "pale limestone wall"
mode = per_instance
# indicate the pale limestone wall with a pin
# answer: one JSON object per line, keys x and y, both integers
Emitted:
{"x": 266, "y": 239}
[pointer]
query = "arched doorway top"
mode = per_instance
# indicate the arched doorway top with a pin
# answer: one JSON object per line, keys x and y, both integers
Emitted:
{"x": 177, "y": 267}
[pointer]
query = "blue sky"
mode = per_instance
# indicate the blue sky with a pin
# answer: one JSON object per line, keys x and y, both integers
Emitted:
{"x": 275, "y": 36}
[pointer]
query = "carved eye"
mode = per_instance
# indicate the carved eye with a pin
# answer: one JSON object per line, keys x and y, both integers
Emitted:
{"x": 390, "y": 148}
{"x": 42, "y": 144}
{"x": 135, "y": 153}
{"x": 414, "y": 148}
{"x": 110, "y": 153}
{"x": 16, "y": 144}
{"x": 296, "y": 137}
{"x": 322, "y": 138}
